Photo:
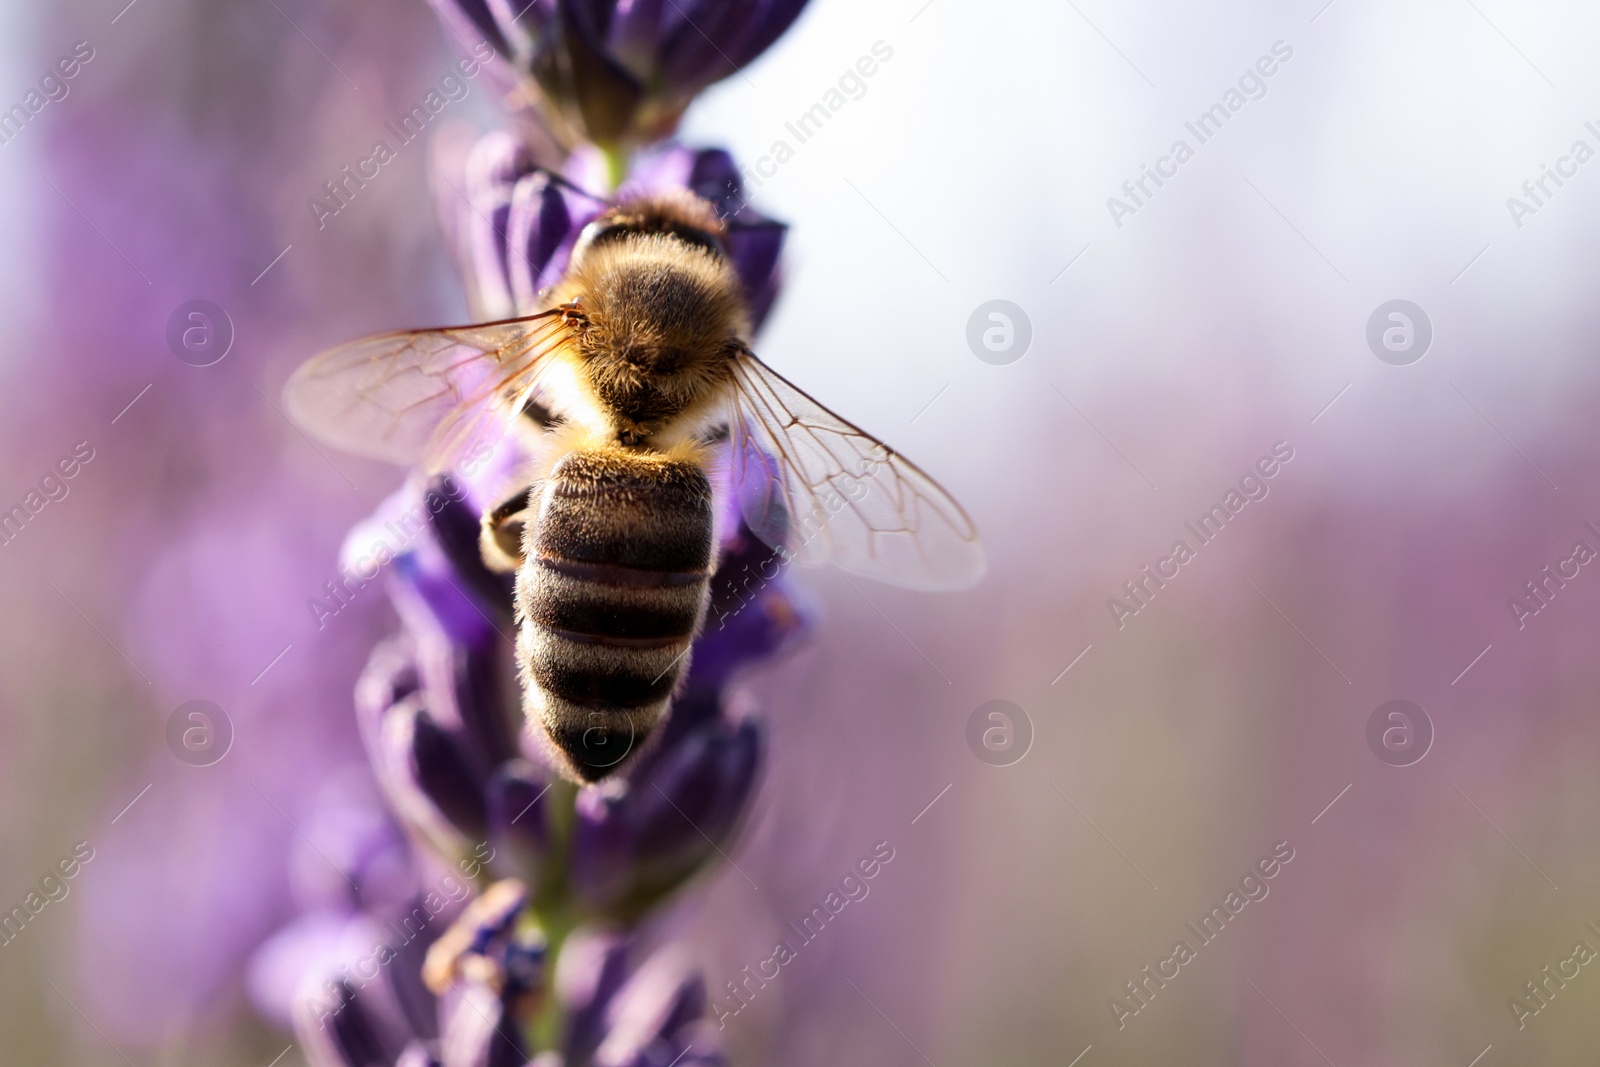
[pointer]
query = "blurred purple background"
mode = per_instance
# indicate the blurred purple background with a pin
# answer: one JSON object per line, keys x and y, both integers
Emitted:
{"x": 1168, "y": 355}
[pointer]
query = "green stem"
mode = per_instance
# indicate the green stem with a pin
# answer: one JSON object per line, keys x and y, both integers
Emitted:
{"x": 617, "y": 158}
{"x": 549, "y": 1024}
{"x": 554, "y": 914}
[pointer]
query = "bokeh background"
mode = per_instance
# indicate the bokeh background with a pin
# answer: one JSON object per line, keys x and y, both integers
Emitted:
{"x": 1167, "y": 354}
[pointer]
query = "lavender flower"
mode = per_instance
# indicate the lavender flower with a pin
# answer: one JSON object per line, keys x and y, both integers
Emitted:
{"x": 619, "y": 74}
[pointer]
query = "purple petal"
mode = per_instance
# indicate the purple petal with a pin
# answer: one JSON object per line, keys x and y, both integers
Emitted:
{"x": 547, "y": 215}
{"x": 756, "y": 249}
{"x": 416, "y": 1055}
{"x": 662, "y": 998}
{"x": 432, "y": 603}
{"x": 713, "y": 793}
{"x": 313, "y": 943}
{"x": 492, "y": 168}
{"x": 389, "y": 680}
{"x": 517, "y": 813}
{"x": 475, "y": 1029}
{"x": 698, "y": 50}
{"x": 348, "y": 852}
{"x": 632, "y": 849}
{"x": 634, "y": 33}
{"x": 592, "y": 967}
{"x": 339, "y": 1025}
{"x": 754, "y": 613}
{"x": 773, "y": 20}
{"x": 455, "y": 529}
{"x": 658, "y": 170}
{"x": 680, "y": 797}
{"x": 605, "y": 93}
{"x": 411, "y": 938}
{"x": 524, "y": 24}
{"x": 471, "y": 21}
{"x": 692, "y": 710}
{"x": 603, "y": 846}
{"x": 714, "y": 176}
{"x": 447, "y": 776}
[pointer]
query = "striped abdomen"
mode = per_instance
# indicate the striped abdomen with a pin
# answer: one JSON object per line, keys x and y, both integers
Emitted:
{"x": 609, "y": 596}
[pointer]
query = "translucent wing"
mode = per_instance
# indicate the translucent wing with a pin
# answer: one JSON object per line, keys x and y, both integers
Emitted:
{"x": 424, "y": 396}
{"x": 813, "y": 484}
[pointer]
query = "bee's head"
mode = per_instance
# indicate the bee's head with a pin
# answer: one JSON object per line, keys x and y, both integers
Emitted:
{"x": 662, "y": 313}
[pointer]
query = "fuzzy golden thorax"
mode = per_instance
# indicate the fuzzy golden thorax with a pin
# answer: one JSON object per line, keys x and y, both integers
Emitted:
{"x": 662, "y": 321}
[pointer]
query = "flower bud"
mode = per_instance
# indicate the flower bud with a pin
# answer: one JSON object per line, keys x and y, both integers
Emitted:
{"x": 618, "y": 73}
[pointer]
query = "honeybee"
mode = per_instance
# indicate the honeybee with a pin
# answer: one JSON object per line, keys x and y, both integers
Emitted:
{"x": 643, "y": 403}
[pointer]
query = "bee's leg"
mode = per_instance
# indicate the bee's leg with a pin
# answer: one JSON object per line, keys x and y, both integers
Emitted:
{"x": 500, "y": 540}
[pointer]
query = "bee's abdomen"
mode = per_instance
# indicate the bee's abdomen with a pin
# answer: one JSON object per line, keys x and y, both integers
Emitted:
{"x": 613, "y": 589}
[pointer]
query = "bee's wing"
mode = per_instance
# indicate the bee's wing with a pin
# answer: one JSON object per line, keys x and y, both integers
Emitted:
{"x": 423, "y": 396}
{"x": 822, "y": 489}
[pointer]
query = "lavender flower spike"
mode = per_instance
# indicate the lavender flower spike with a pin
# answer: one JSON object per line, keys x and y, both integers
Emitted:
{"x": 619, "y": 73}
{"x": 528, "y": 958}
